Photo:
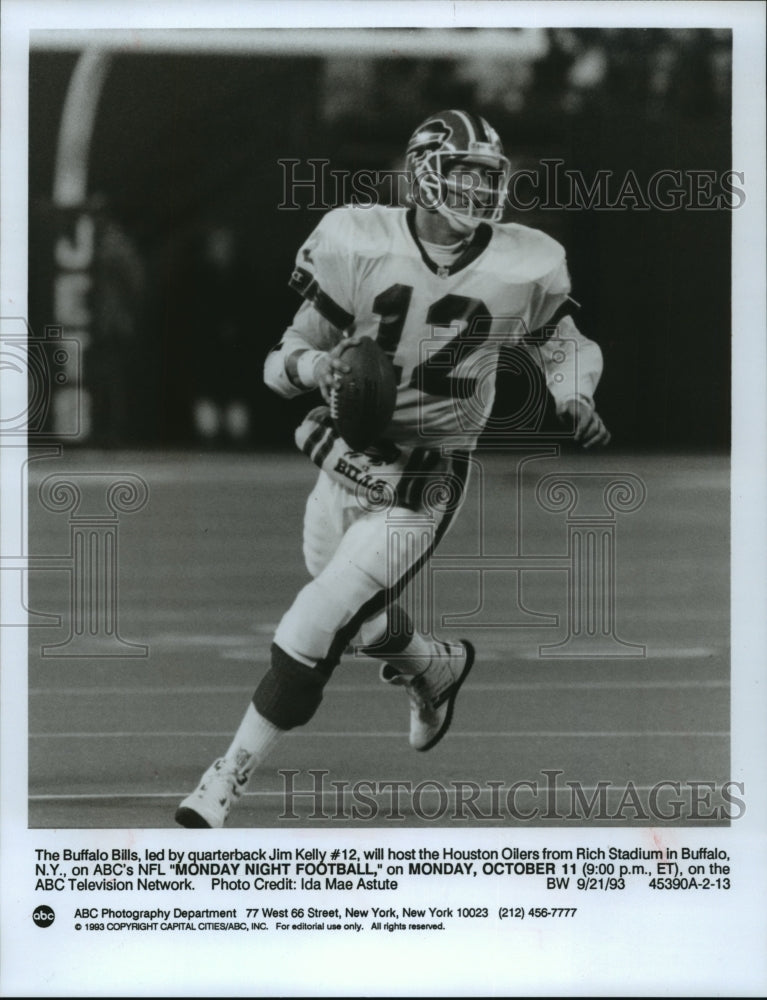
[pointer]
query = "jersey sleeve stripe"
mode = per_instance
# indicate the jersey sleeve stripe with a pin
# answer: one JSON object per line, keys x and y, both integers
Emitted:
{"x": 315, "y": 439}
{"x": 306, "y": 285}
{"x": 291, "y": 369}
{"x": 325, "y": 448}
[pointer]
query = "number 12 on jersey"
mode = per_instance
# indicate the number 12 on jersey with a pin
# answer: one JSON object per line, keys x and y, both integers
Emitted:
{"x": 435, "y": 375}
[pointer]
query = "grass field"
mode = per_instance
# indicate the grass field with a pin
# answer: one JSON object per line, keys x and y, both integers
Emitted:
{"x": 209, "y": 564}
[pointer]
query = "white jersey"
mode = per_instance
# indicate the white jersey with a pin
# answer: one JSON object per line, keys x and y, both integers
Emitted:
{"x": 363, "y": 271}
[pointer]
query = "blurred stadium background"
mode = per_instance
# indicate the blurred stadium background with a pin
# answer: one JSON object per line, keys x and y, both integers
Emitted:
{"x": 186, "y": 287}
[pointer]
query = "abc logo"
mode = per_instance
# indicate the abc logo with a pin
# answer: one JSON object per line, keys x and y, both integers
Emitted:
{"x": 43, "y": 915}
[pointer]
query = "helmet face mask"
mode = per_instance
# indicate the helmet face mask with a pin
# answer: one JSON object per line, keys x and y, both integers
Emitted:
{"x": 458, "y": 169}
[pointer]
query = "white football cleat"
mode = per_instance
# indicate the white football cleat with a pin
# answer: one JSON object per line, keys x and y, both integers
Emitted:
{"x": 432, "y": 694}
{"x": 219, "y": 789}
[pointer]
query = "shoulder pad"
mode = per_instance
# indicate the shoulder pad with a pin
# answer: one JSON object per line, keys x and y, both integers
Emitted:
{"x": 531, "y": 253}
{"x": 360, "y": 228}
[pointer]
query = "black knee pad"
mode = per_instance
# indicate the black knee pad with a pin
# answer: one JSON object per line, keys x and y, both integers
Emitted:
{"x": 290, "y": 692}
{"x": 399, "y": 632}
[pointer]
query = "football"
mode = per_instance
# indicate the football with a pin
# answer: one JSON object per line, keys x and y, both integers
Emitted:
{"x": 362, "y": 403}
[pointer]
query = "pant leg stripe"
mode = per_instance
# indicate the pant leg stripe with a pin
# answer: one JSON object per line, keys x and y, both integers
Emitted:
{"x": 405, "y": 485}
{"x": 458, "y": 467}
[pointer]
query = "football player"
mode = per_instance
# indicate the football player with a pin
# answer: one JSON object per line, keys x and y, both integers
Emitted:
{"x": 441, "y": 285}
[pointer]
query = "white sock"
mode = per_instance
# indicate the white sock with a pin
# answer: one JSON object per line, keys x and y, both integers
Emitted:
{"x": 419, "y": 654}
{"x": 253, "y": 740}
{"x": 413, "y": 659}
{"x": 416, "y": 656}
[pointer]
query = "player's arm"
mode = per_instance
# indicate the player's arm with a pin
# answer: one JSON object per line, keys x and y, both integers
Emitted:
{"x": 572, "y": 364}
{"x": 302, "y": 360}
{"x": 305, "y": 358}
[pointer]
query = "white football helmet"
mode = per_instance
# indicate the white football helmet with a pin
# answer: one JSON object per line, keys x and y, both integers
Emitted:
{"x": 458, "y": 169}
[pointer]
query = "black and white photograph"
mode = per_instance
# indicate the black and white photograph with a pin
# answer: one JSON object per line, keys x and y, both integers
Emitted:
{"x": 383, "y": 480}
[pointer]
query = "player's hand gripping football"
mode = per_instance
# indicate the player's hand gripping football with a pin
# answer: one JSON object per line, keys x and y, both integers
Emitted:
{"x": 587, "y": 425}
{"x": 330, "y": 369}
